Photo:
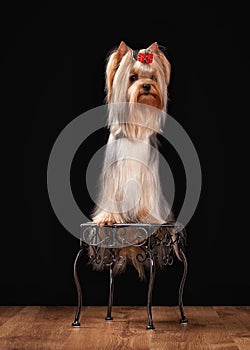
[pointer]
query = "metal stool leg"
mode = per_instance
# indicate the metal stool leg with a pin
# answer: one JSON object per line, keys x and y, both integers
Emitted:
{"x": 111, "y": 294}
{"x": 150, "y": 291}
{"x": 76, "y": 322}
{"x": 183, "y": 319}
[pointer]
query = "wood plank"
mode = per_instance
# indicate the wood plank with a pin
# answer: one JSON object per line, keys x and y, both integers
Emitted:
{"x": 96, "y": 333}
{"x": 49, "y": 328}
{"x": 237, "y": 322}
{"x": 36, "y": 328}
{"x": 207, "y": 330}
{"x": 7, "y": 312}
{"x": 204, "y": 330}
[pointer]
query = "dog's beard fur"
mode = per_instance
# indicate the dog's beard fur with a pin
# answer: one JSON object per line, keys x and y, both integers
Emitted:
{"x": 129, "y": 188}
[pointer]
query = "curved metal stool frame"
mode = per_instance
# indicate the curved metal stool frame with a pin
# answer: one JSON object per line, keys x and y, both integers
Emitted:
{"x": 112, "y": 237}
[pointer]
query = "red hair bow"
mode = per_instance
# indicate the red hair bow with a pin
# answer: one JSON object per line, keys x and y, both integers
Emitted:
{"x": 145, "y": 57}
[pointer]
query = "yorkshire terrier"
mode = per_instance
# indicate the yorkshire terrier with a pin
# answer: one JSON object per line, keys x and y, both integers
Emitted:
{"x": 137, "y": 96}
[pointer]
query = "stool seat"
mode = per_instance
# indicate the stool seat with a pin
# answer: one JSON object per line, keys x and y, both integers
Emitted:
{"x": 155, "y": 249}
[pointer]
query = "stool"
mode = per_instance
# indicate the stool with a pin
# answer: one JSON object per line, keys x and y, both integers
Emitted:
{"x": 171, "y": 245}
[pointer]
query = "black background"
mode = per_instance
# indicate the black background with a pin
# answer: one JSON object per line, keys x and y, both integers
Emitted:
{"x": 52, "y": 70}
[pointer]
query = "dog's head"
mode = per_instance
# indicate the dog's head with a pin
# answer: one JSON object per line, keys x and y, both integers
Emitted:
{"x": 138, "y": 76}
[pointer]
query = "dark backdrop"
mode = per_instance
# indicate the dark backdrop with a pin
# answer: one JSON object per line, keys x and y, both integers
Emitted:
{"x": 52, "y": 70}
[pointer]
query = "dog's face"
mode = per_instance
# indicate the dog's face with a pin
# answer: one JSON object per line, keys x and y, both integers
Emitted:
{"x": 138, "y": 79}
{"x": 144, "y": 87}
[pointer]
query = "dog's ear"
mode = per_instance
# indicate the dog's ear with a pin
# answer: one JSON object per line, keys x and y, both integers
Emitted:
{"x": 122, "y": 50}
{"x": 112, "y": 66}
{"x": 165, "y": 63}
{"x": 154, "y": 47}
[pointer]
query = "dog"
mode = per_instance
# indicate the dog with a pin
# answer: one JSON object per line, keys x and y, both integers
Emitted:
{"x": 130, "y": 190}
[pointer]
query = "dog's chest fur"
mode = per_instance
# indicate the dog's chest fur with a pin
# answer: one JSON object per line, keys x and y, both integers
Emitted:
{"x": 131, "y": 177}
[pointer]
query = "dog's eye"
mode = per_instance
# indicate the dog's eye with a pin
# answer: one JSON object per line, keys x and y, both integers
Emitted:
{"x": 133, "y": 77}
{"x": 153, "y": 77}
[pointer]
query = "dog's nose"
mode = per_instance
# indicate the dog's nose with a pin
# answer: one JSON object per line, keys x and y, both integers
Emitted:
{"x": 146, "y": 87}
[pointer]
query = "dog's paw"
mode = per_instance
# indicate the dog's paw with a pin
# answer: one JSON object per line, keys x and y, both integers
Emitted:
{"x": 109, "y": 219}
{"x": 103, "y": 220}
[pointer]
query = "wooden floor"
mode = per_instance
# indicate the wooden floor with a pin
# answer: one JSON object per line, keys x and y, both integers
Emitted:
{"x": 49, "y": 328}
